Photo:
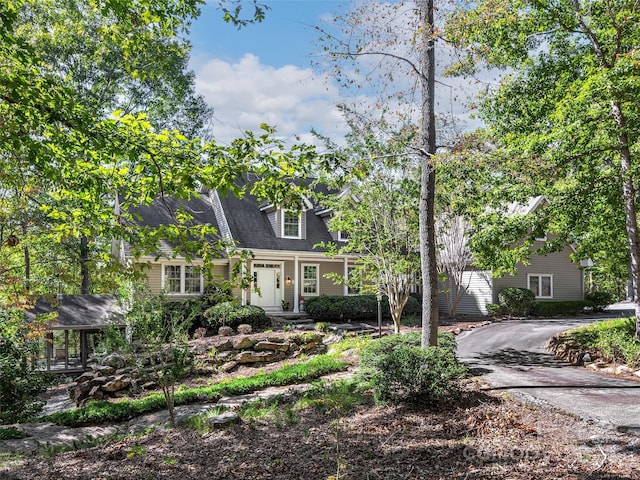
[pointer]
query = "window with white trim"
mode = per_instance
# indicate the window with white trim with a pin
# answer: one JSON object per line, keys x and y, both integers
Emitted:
{"x": 310, "y": 279}
{"x": 182, "y": 279}
{"x": 343, "y": 236}
{"x": 541, "y": 285}
{"x": 291, "y": 224}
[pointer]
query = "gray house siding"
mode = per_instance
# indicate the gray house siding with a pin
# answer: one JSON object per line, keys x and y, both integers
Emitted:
{"x": 479, "y": 290}
{"x": 567, "y": 278}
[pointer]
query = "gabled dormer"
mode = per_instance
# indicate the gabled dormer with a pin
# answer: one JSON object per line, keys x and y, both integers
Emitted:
{"x": 288, "y": 223}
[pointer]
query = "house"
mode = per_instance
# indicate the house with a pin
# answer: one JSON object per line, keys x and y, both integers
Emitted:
{"x": 73, "y": 337}
{"x": 551, "y": 277}
{"x": 287, "y": 265}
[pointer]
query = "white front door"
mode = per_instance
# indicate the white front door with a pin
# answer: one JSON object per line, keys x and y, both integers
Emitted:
{"x": 267, "y": 288}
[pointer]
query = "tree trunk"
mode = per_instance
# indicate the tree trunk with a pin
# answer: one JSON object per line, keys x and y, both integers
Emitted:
{"x": 428, "y": 182}
{"x": 629, "y": 200}
{"x": 27, "y": 260}
{"x": 85, "y": 287}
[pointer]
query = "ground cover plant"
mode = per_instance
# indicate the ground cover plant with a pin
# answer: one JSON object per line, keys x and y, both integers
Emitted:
{"x": 612, "y": 340}
{"x": 98, "y": 412}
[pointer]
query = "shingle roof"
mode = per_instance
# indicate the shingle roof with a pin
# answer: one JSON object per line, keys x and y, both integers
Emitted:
{"x": 250, "y": 227}
{"x": 162, "y": 211}
{"x": 244, "y": 219}
{"x": 80, "y": 311}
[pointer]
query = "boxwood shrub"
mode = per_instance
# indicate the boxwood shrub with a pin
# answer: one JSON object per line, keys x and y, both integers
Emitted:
{"x": 399, "y": 370}
{"x": 231, "y": 314}
{"x": 354, "y": 307}
{"x": 556, "y": 309}
{"x": 516, "y": 300}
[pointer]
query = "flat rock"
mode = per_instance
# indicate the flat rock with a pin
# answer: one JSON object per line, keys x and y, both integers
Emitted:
{"x": 255, "y": 357}
{"x": 224, "y": 419}
{"x": 265, "y": 345}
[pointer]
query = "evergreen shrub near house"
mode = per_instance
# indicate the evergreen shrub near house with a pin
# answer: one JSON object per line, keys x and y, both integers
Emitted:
{"x": 399, "y": 370}
{"x": 354, "y": 307}
{"x": 231, "y": 314}
{"x": 516, "y": 300}
{"x": 193, "y": 310}
{"x": 557, "y": 309}
{"x": 599, "y": 300}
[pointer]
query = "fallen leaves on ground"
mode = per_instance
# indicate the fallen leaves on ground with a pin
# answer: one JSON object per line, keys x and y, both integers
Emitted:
{"x": 486, "y": 437}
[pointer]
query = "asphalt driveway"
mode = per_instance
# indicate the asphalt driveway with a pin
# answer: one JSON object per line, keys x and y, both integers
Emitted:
{"x": 511, "y": 356}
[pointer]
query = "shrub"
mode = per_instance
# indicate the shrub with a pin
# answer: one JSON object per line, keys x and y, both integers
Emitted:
{"x": 516, "y": 301}
{"x": 599, "y": 300}
{"x": 399, "y": 370}
{"x": 21, "y": 383}
{"x": 493, "y": 309}
{"x": 614, "y": 340}
{"x": 354, "y": 307}
{"x": 231, "y": 315}
{"x": 555, "y": 309}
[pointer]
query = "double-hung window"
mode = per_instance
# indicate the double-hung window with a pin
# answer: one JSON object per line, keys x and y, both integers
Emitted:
{"x": 310, "y": 280}
{"x": 182, "y": 279}
{"x": 541, "y": 285}
{"x": 291, "y": 224}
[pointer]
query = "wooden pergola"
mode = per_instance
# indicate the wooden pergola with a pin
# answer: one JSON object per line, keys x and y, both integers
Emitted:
{"x": 72, "y": 338}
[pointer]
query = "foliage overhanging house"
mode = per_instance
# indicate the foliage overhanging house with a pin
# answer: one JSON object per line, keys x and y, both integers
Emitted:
{"x": 287, "y": 265}
{"x": 552, "y": 277}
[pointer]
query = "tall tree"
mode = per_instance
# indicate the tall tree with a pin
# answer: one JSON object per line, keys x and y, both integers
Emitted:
{"x": 568, "y": 106}
{"x": 391, "y": 47}
{"x": 65, "y": 155}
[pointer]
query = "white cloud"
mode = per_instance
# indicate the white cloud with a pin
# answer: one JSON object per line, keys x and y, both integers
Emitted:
{"x": 246, "y": 93}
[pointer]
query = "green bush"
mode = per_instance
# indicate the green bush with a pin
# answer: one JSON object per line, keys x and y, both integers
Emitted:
{"x": 21, "y": 383}
{"x": 230, "y": 314}
{"x": 555, "y": 309}
{"x": 399, "y": 370}
{"x": 516, "y": 300}
{"x": 194, "y": 310}
{"x": 613, "y": 339}
{"x": 493, "y": 309}
{"x": 354, "y": 307}
{"x": 599, "y": 300}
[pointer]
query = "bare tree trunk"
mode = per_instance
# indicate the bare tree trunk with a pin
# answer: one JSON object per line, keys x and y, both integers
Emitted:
{"x": 428, "y": 181}
{"x": 629, "y": 200}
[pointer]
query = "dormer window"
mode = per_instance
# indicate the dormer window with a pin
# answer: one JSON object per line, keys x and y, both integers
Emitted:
{"x": 291, "y": 224}
{"x": 343, "y": 236}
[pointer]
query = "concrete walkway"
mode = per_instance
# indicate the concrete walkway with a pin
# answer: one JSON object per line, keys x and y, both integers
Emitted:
{"x": 48, "y": 435}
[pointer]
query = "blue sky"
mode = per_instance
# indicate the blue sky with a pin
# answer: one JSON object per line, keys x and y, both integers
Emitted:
{"x": 263, "y": 72}
{"x": 286, "y": 36}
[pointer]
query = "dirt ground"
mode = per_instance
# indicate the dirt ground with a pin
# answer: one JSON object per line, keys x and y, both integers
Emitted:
{"x": 486, "y": 436}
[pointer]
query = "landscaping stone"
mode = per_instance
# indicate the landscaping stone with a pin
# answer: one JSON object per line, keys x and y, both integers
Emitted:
{"x": 255, "y": 357}
{"x": 225, "y": 331}
{"x": 227, "y": 367}
{"x": 266, "y": 345}
{"x": 244, "y": 343}
{"x": 224, "y": 419}
{"x": 207, "y": 356}
{"x": 245, "y": 329}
